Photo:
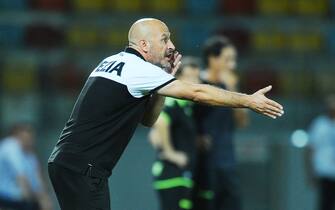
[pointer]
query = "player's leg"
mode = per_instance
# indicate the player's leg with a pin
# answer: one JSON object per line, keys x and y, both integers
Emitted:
{"x": 176, "y": 198}
{"x": 184, "y": 193}
{"x": 202, "y": 193}
{"x": 162, "y": 173}
{"x": 327, "y": 193}
{"x": 332, "y": 193}
{"x": 227, "y": 190}
{"x": 76, "y": 191}
{"x": 167, "y": 199}
{"x": 170, "y": 185}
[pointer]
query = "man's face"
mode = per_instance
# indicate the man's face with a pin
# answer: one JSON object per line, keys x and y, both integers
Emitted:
{"x": 27, "y": 139}
{"x": 161, "y": 51}
{"x": 228, "y": 58}
{"x": 226, "y": 61}
{"x": 190, "y": 74}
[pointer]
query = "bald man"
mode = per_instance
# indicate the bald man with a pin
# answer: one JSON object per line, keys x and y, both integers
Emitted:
{"x": 124, "y": 90}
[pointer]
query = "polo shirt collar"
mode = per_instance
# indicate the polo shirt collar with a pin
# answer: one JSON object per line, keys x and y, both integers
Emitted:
{"x": 133, "y": 51}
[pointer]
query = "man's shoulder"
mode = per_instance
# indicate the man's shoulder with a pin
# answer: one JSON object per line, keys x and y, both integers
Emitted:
{"x": 321, "y": 120}
{"x": 321, "y": 124}
{"x": 10, "y": 145}
{"x": 9, "y": 142}
{"x": 131, "y": 61}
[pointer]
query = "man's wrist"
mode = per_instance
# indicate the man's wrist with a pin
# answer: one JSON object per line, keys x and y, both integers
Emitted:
{"x": 246, "y": 101}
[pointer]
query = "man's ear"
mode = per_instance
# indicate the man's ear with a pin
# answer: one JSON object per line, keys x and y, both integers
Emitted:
{"x": 145, "y": 46}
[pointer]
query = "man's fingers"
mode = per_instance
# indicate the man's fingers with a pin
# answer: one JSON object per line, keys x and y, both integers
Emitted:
{"x": 273, "y": 113}
{"x": 274, "y": 108}
{"x": 275, "y": 104}
{"x": 175, "y": 54}
{"x": 176, "y": 63}
{"x": 269, "y": 115}
{"x": 177, "y": 59}
{"x": 176, "y": 68}
{"x": 265, "y": 90}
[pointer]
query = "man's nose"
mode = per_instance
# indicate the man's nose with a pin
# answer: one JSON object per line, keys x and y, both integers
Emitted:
{"x": 171, "y": 45}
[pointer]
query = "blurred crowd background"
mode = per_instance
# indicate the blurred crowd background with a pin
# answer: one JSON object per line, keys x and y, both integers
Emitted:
{"x": 48, "y": 48}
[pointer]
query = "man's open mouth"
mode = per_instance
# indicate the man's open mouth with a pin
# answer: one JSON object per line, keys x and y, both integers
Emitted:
{"x": 170, "y": 54}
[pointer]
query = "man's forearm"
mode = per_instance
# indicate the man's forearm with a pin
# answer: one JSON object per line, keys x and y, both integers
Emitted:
{"x": 153, "y": 109}
{"x": 211, "y": 95}
{"x": 219, "y": 97}
{"x": 24, "y": 186}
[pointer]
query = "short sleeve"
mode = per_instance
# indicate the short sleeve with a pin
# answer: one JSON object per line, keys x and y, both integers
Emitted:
{"x": 33, "y": 170}
{"x": 147, "y": 80}
{"x": 15, "y": 158}
{"x": 318, "y": 132}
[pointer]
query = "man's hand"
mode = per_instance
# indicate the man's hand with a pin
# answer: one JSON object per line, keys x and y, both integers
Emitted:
{"x": 154, "y": 139}
{"x": 176, "y": 157}
{"x": 175, "y": 63}
{"x": 261, "y": 104}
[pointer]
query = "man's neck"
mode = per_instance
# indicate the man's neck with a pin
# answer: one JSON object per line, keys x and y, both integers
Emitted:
{"x": 213, "y": 75}
{"x": 138, "y": 50}
{"x": 134, "y": 52}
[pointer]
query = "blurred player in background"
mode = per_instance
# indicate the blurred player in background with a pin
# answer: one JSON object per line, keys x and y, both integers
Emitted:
{"x": 21, "y": 184}
{"x": 321, "y": 155}
{"x": 217, "y": 182}
{"x": 173, "y": 136}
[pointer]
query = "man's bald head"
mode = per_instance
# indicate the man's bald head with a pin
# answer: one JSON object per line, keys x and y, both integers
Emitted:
{"x": 146, "y": 29}
{"x": 151, "y": 38}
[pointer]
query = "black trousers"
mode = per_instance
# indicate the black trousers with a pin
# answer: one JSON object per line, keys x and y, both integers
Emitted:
{"x": 77, "y": 191}
{"x": 18, "y": 205}
{"x": 174, "y": 187}
{"x": 215, "y": 188}
{"x": 327, "y": 194}
{"x": 226, "y": 190}
{"x": 203, "y": 193}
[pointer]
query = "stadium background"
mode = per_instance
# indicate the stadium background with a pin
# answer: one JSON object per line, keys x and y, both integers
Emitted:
{"x": 48, "y": 48}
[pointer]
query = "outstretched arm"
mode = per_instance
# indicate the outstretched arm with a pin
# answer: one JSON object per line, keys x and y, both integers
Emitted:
{"x": 211, "y": 95}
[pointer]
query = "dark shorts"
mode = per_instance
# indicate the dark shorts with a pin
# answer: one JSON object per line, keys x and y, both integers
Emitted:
{"x": 215, "y": 188}
{"x": 173, "y": 185}
{"x": 77, "y": 191}
{"x": 226, "y": 188}
{"x": 203, "y": 193}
